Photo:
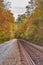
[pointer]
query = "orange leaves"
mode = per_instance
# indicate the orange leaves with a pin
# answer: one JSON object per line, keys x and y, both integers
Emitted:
{"x": 4, "y": 29}
{"x": 6, "y": 22}
{"x": 2, "y": 17}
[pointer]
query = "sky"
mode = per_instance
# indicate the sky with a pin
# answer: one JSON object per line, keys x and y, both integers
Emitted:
{"x": 18, "y": 6}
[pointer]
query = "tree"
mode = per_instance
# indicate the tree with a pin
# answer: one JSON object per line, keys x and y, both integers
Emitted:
{"x": 6, "y": 25}
{"x": 7, "y": 5}
{"x": 1, "y": 3}
{"x": 31, "y": 27}
{"x": 27, "y": 10}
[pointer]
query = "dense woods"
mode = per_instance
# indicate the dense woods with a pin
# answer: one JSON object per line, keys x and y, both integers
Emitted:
{"x": 28, "y": 26}
{"x": 6, "y": 24}
{"x": 31, "y": 26}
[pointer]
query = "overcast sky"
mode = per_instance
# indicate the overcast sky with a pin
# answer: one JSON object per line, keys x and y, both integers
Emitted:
{"x": 18, "y": 6}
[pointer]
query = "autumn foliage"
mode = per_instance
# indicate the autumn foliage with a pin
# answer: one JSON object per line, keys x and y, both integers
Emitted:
{"x": 31, "y": 27}
{"x": 6, "y": 25}
{"x": 28, "y": 27}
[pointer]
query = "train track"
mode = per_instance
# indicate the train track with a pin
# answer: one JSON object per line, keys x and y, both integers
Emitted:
{"x": 25, "y": 57}
{"x": 35, "y": 52}
{"x": 20, "y": 52}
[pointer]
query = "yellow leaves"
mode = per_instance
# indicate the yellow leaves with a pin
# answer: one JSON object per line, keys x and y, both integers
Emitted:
{"x": 6, "y": 24}
{"x": 30, "y": 28}
{"x": 16, "y": 29}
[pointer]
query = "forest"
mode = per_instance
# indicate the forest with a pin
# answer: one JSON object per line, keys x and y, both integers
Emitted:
{"x": 28, "y": 26}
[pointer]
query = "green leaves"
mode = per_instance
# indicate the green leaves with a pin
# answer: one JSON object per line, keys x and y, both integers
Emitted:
{"x": 32, "y": 26}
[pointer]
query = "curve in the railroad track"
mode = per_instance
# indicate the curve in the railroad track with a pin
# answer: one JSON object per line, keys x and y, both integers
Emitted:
{"x": 20, "y": 52}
